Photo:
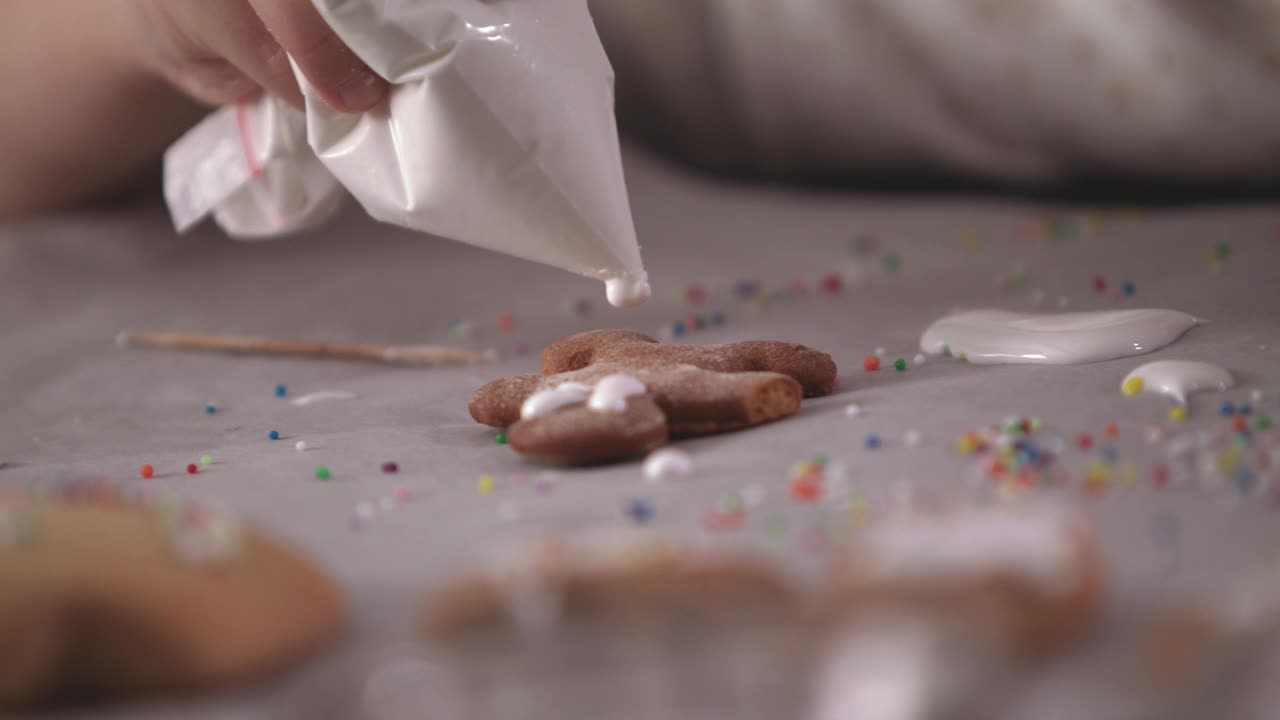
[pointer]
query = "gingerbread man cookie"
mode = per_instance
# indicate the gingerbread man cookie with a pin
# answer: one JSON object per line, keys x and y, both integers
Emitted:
{"x": 612, "y": 394}
{"x": 103, "y": 596}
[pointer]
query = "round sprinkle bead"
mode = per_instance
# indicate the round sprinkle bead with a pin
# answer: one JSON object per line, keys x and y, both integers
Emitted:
{"x": 281, "y": 390}
{"x": 1084, "y": 441}
{"x": 900, "y": 365}
{"x": 300, "y": 445}
{"x": 1129, "y": 289}
{"x": 322, "y": 472}
{"x": 1245, "y": 409}
{"x": 273, "y": 435}
{"x": 919, "y": 359}
{"x": 852, "y": 410}
{"x": 484, "y": 485}
{"x": 389, "y": 467}
{"x": 1226, "y": 409}
{"x": 210, "y": 408}
{"x": 871, "y": 363}
{"x": 1177, "y": 413}
{"x": 500, "y": 438}
{"x": 891, "y": 262}
{"x": 695, "y": 294}
{"x": 872, "y": 442}
{"x": 1133, "y": 386}
{"x": 677, "y": 328}
{"x": 639, "y": 510}
{"x": 192, "y": 469}
{"x": 832, "y": 283}
{"x": 1099, "y": 284}
{"x": 147, "y": 472}
{"x": 1111, "y": 430}
{"x": 506, "y": 321}
{"x": 1263, "y": 422}
{"x": 206, "y": 460}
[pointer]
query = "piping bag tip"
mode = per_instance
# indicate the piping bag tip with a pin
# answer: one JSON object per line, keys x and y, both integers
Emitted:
{"x": 627, "y": 290}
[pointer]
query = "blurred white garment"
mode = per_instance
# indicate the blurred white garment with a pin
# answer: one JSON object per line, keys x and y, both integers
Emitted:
{"x": 1011, "y": 90}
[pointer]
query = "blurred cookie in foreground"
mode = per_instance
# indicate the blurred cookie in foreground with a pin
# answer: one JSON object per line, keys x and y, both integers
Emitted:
{"x": 935, "y": 613}
{"x": 103, "y": 596}
{"x": 623, "y": 623}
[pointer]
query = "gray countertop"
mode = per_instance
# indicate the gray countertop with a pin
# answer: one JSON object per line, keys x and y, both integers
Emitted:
{"x": 75, "y": 405}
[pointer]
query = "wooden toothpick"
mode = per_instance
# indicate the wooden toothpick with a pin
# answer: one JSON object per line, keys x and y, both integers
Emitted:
{"x": 394, "y": 354}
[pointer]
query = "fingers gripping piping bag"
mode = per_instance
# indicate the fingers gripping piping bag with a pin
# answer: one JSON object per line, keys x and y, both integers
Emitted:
{"x": 498, "y": 132}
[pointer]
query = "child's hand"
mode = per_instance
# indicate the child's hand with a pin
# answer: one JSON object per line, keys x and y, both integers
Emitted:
{"x": 220, "y": 51}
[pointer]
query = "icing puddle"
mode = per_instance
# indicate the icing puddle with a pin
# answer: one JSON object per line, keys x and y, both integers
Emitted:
{"x": 1176, "y": 378}
{"x": 997, "y": 336}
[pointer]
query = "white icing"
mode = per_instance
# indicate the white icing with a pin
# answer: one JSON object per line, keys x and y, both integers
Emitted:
{"x": 545, "y": 402}
{"x": 998, "y": 336}
{"x": 612, "y": 391}
{"x": 667, "y": 462}
{"x": 887, "y": 672}
{"x": 924, "y": 548}
{"x": 321, "y": 396}
{"x": 627, "y": 290}
{"x": 1180, "y": 378}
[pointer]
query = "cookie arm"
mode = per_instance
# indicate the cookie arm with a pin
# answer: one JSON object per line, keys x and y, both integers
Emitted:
{"x": 497, "y": 404}
{"x": 583, "y": 349}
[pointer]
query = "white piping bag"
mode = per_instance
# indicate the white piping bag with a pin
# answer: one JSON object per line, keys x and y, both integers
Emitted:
{"x": 498, "y": 132}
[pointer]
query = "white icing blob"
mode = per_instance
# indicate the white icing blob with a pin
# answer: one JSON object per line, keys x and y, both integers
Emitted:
{"x": 925, "y": 548}
{"x": 627, "y": 290}
{"x": 1180, "y": 378}
{"x": 667, "y": 462}
{"x": 880, "y": 673}
{"x": 545, "y": 402}
{"x": 322, "y": 396}
{"x": 998, "y": 336}
{"x": 612, "y": 391}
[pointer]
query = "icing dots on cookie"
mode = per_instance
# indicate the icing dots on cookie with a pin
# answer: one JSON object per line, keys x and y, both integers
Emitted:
{"x": 611, "y": 393}
{"x": 545, "y": 402}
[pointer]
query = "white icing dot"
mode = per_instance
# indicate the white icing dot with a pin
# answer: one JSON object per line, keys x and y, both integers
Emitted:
{"x": 852, "y": 410}
{"x": 1255, "y": 395}
{"x": 919, "y": 359}
{"x": 880, "y": 352}
{"x": 911, "y": 438}
{"x": 545, "y": 402}
{"x": 666, "y": 463}
{"x": 300, "y": 445}
{"x": 611, "y": 393}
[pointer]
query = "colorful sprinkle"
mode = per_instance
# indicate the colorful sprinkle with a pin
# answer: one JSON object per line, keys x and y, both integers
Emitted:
{"x": 210, "y": 408}
{"x": 192, "y": 469}
{"x": 639, "y": 510}
{"x": 1129, "y": 289}
{"x": 1099, "y": 284}
{"x": 872, "y": 442}
{"x": 206, "y": 460}
{"x": 1263, "y": 422}
{"x": 891, "y": 262}
{"x": 1177, "y": 413}
{"x": 832, "y": 283}
{"x": 147, "y": 472}
{"x": 273, "y": 435}
{"x": 281, "y": 390}
{"x": 1084, "y": 441}
{"x": 500, "y": 438}
{"x": 1111, "y": 431}
{"x": 1246, "y": 409}
{"x": 871, "y": 363}
{"x": 717, "y": 319}
{"x": 322, "y": 472}
{"x": 677, "y": 328}
{"x": 1133, "y": 386}
{"x": 506, "y": 321}
{"x": 484, "y": 485}
{"x": 1226, "y": 409}
{"x": 389, "y": 467}
{"x": 900, "y": 365}
{"x": 695, "y": 294}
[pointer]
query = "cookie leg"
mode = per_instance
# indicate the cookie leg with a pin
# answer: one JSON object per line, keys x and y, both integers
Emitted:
{"x": 581, "y": 436}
